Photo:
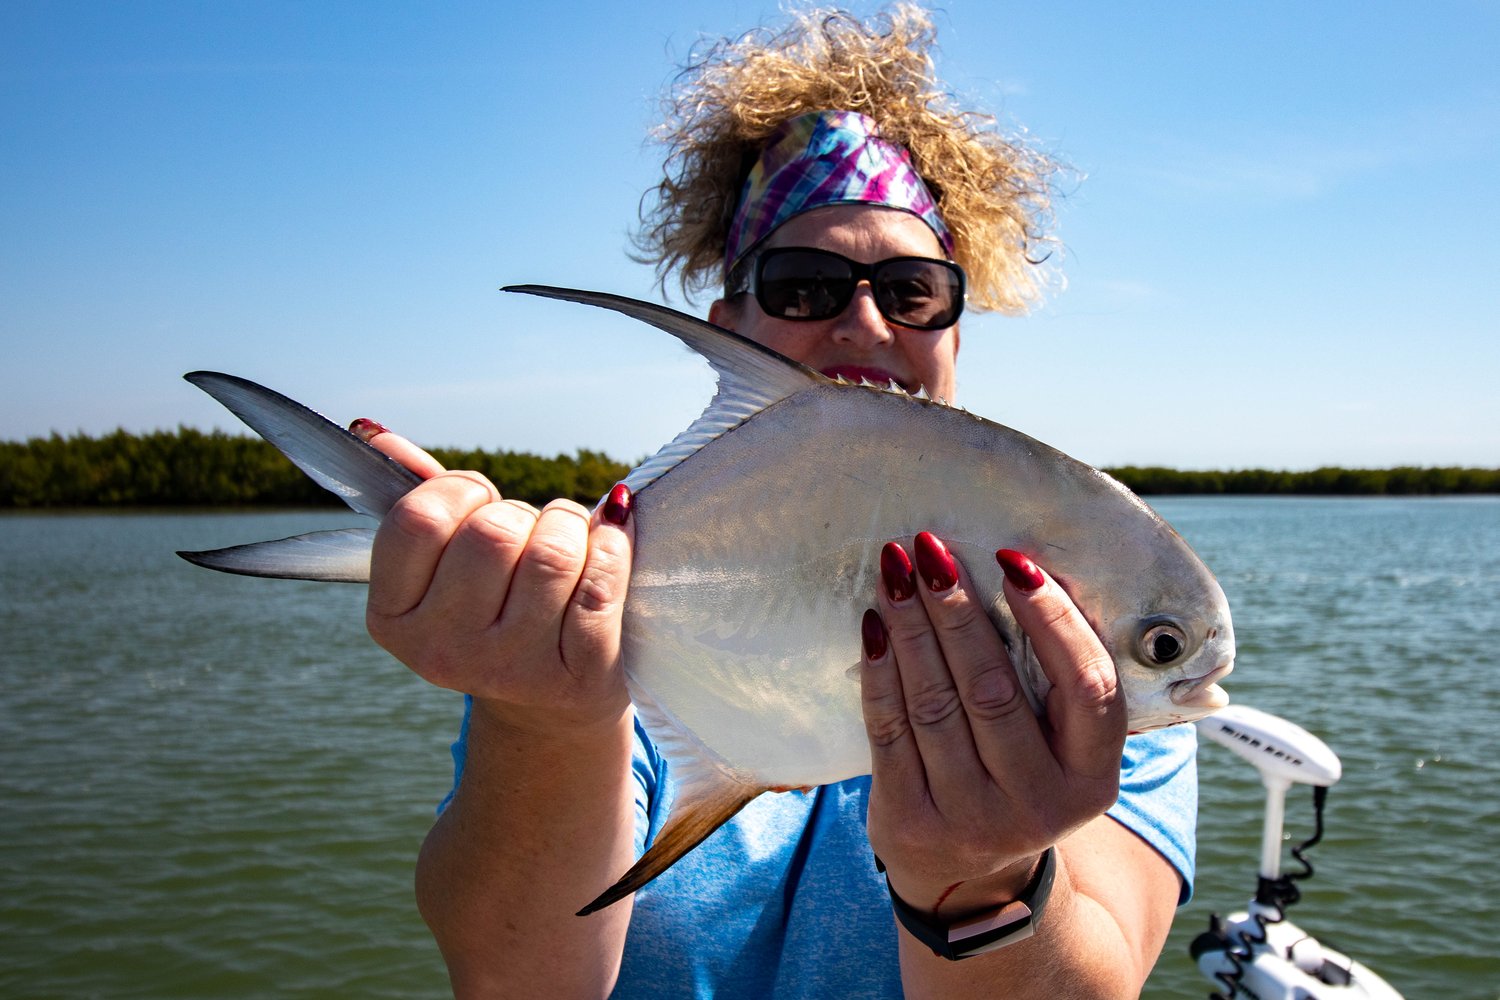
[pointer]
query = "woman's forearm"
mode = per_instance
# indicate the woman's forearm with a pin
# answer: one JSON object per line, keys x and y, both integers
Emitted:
{"x": 541, "y": 823}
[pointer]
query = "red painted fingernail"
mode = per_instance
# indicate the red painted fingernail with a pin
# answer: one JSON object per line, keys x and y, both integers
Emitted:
{"x": 617, "y": 504}
{"x": 872, "y": 632}
{"x": 895, "y": 570}
{"x": 365, "y": 428}
{"x": 935, "y": 563}
{"x": 1019, "y": 570}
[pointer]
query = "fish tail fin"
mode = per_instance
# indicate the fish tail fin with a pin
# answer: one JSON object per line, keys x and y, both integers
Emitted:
{"x": 341, "y": 556}
{"x": 361, "y": 476}
{"x": 701, "y": 807}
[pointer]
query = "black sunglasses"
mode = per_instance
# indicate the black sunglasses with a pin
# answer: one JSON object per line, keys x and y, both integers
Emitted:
{"x": 803, "y": 283}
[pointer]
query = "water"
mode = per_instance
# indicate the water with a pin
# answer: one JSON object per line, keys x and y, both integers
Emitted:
{"x": 211, "y": 786}
{"x": 1372, "y": 623}
{"x": 216, "y": 787}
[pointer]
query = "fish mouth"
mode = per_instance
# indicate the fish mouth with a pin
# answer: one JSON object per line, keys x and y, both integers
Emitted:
{"x": 1202, "y": 692}
{"x": 862, "y": 373}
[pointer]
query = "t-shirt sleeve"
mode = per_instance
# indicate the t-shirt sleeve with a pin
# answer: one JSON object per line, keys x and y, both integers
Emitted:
{"x": 1159, "y": 796}
{"x": 460, "y": 751}
{"x": 648, "y": 779}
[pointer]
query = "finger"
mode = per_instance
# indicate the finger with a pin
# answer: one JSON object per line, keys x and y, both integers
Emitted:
{"x": 547, "y": 574}
{"x": 934, "y": 707}
{"x": 475, "y": 570}
{"x": 591, "y": 624}
{"x": 894, "y": 758}
{"x": 413, "y": 537}
{"x": 1003, "y": 727}
{"x": 1085, "y": 708}
{"x": 382, "y": 439}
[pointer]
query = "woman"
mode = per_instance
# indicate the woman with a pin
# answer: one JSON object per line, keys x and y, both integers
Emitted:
{"x": 820, "y": 177}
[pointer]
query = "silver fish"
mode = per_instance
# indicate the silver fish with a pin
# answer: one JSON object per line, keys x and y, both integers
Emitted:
{"x": 758, "y": 532}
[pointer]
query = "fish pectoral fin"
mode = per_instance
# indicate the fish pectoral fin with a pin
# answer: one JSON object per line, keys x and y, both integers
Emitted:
{"x": 698, "y": 812}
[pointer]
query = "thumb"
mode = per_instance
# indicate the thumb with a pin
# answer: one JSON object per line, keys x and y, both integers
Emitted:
{"x": 396, "y": 447}
{"x": 1085, "y": 708}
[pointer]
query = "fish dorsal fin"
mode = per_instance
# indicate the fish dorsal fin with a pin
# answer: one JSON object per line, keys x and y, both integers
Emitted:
{"x": 751, "y": 376}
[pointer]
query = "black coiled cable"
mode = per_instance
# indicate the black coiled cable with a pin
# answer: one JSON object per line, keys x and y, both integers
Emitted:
{"x": 1278, "y": 894}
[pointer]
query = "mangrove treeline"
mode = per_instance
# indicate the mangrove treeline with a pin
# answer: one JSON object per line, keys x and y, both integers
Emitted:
{"x": 187, "y": 467}
{"x": 1328, "y": 481}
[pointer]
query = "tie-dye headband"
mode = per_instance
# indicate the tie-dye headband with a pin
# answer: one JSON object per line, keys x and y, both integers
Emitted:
{"x": 826, "y": 158}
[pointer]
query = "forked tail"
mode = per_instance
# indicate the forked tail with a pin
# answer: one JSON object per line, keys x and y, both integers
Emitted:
{"x": 362, "y": 477}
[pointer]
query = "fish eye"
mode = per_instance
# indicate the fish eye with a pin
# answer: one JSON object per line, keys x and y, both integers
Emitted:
{"x": 1163, "y": 643}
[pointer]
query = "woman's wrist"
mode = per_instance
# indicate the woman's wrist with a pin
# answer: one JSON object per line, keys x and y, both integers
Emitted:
{"x": 988, "y": 928}
{"x": 955, "y": 900}
{"x": 546, "y": 726}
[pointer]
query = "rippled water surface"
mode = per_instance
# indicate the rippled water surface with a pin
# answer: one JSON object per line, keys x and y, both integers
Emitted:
{"x": 215, "y": 787}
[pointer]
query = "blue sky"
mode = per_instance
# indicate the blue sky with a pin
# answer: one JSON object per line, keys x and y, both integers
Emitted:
{"x": 1281, "y": 251}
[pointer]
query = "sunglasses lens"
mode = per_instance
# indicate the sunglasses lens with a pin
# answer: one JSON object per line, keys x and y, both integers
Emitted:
{"x": 925, "y": 294}
{"x": 803, "y": 284}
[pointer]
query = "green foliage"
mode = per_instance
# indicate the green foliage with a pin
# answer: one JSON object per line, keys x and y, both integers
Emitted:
{"x": 187, "y": 467}
{"x": 1327, "y": 481}
{"x": 584, "y": 477}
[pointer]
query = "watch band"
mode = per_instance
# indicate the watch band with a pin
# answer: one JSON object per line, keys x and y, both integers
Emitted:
{"x": 986, "y": 931}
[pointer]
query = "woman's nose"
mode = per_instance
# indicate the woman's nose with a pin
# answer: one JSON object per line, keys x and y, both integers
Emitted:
{"x": 861, "y": 323}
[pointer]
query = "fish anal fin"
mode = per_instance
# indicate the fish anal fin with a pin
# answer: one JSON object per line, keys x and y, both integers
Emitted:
{"x": 698, "y": 812}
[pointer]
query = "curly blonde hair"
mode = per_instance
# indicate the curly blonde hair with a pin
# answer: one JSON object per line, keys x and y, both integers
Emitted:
{"x": 993, "y": 192}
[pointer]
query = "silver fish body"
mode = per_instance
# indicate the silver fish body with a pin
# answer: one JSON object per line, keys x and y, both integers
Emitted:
{"x": 758, "y": 532}
{"x": 756, "y": 558}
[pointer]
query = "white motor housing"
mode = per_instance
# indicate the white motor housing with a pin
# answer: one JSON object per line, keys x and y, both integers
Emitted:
{"x": 1278, "y": 748}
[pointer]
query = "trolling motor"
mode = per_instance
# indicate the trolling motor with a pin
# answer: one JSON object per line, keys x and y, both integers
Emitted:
{"x": 1259, "y": 953}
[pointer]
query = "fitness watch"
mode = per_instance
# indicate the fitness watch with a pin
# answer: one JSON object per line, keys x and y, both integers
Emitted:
{"x": 986, "y": 931}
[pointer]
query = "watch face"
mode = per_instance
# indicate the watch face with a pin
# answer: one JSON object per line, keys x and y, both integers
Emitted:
{"x": 1015, "y": 921}
{"x": 1018, "y": 934}
{"x": 998, "y": 923}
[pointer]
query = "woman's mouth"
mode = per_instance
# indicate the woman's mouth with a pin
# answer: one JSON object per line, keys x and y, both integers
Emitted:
{"x": 858, "y": 373}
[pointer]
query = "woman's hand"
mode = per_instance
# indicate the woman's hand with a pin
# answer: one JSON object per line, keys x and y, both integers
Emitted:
{"x": 970, "y": 786}
{"x": 516, "y": 606}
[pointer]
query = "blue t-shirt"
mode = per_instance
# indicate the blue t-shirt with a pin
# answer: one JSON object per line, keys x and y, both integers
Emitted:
{"x": 784, "y": 902}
